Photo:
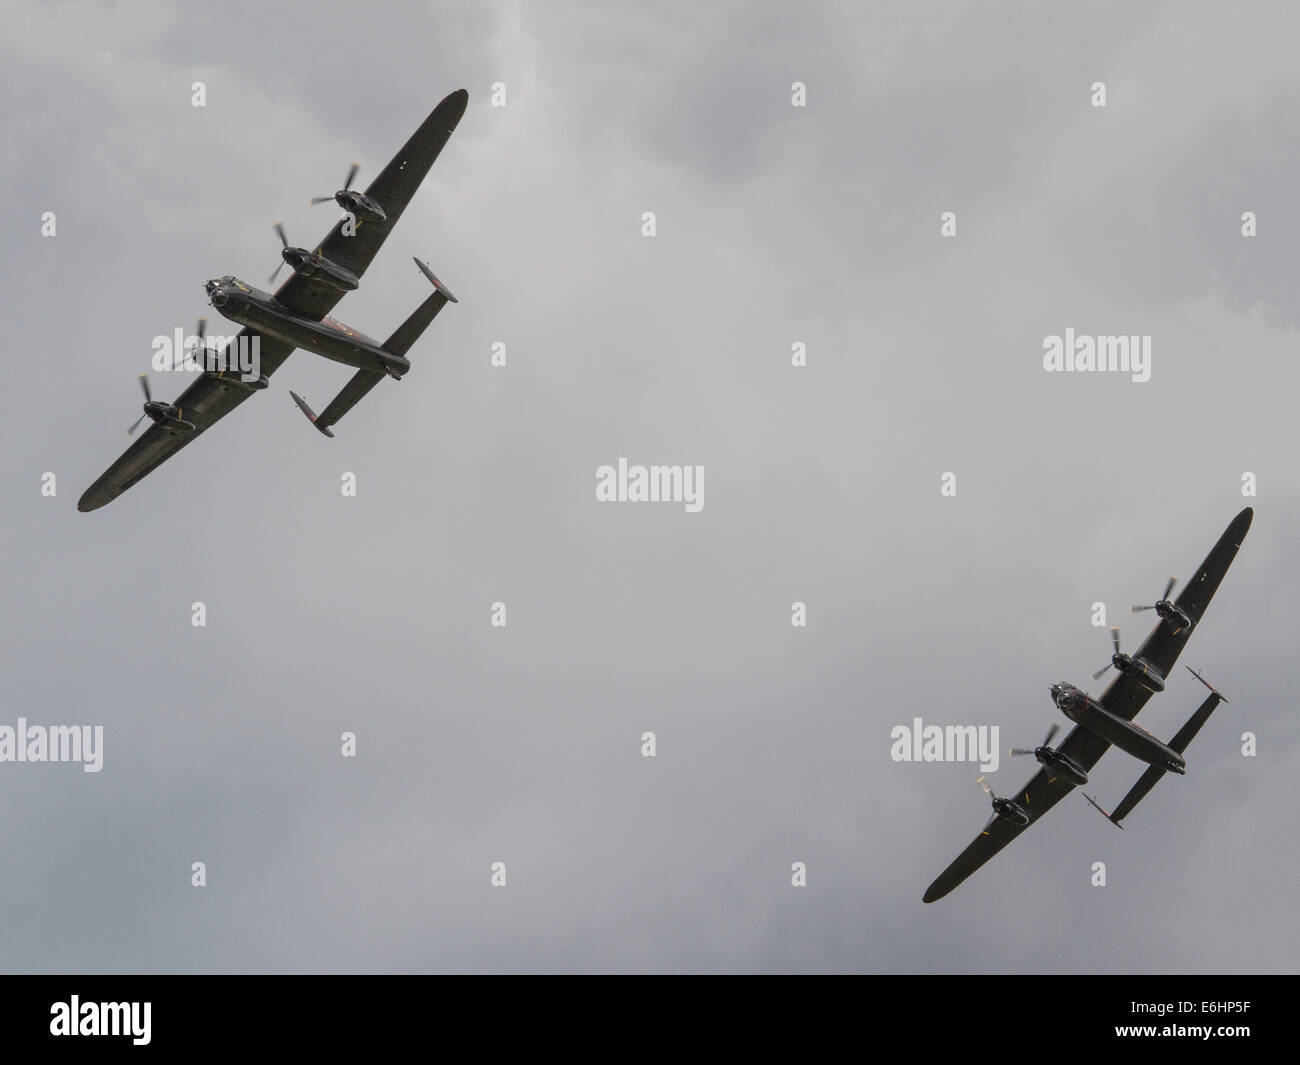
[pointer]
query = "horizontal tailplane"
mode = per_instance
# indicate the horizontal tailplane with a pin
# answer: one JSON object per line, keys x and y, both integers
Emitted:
{"x": 409, "y": 331}
{"x": 1187, "y": 733}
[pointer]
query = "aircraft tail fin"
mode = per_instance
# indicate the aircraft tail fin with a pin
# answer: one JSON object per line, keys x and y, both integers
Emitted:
{"x": 311, "y": 414}
{"x": 1206, "y": 683}
{"x": 409, "y": 331}
{"x": 1097, "y": 806}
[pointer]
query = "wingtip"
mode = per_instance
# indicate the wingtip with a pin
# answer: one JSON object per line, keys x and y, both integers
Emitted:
{"x": 453, "y": 107}
{"x": 936, "y": 891}
{"x": 92, "y": 500}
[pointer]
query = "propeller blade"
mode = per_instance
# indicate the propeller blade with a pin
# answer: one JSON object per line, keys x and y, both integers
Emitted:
{"x": 1050, "y": 733}
{"x": 987, "y": 790}
{"x": 321, "y": 199}
{"x": 1139, "y": 609}
{"x": 144, "y": 384}
{"x": 1098, "y": 674}
{"x": 279, "y": 228}
{"x": 135, "y": 425}
{"x": 196, "y": 341}
{"x": 351, "y": 174}
{"x": 1114, "y": 637}
{"x": 988, "y": 824}
{"x": 1017, "y": 751}
{"x": 271, "y": 280}
{"x": 1169, "y": 587}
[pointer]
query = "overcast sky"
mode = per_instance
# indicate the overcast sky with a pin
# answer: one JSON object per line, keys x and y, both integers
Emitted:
{"x": 775, "y": 225}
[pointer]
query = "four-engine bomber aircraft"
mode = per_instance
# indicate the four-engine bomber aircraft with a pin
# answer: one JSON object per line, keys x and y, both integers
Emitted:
{"x": 297, "y": 316}
{"x": 1108, "y": 721}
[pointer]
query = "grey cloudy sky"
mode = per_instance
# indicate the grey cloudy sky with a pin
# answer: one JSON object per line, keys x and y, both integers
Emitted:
{"x": 776, "y": 225}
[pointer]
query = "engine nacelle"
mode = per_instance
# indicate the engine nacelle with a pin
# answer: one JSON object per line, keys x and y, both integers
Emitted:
{"x": 1011, "y": 810}
{"x": 1055, "y": 762}
{"x": 324, "y": 270}
{"x": 360, "y": 205}
{"x": 235, "y": 379}
{"x": 1139, "y": 670}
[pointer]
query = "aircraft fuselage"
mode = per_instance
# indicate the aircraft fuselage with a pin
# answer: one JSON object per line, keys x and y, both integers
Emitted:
{"x": 1086, "y": 712}
{"x": 329, "y": 337}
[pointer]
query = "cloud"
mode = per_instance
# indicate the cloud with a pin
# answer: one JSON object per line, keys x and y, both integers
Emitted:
{"x": 775, "y": 225}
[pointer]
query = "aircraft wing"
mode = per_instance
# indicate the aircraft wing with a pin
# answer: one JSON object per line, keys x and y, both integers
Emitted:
{"x": 392, "y": 190}
{"x": 1037, "y": 797}
{"x": 205, "y": 402}
{"x": 1126, "y": 697}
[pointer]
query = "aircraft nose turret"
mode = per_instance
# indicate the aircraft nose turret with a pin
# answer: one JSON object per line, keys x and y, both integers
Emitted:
{"x": 1064, "y": 694}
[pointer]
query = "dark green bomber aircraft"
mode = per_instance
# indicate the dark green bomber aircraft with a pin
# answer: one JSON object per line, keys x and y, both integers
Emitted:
{"x": 297, "y": 316}
{"x": 1108, "y": 721}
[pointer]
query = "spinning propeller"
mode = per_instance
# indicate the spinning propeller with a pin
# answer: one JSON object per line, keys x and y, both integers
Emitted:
{"x": 341, "y": 195}
{"x": 1002, "y": 807}
{"x": 1157, "y": 604}
{"x": 1118, "y": 660}
{"x": 198, "y": 342}
{"x": 992, "y": 795}
{"x": 287, "y": 254}
{"x": 148, "y": 398}
{"x": 358, "y": 204}
{"x": 1022, "y": 750}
